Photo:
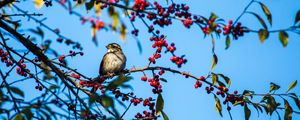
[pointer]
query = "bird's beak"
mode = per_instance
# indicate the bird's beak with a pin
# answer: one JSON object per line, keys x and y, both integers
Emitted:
{"x": 107, "y": 46}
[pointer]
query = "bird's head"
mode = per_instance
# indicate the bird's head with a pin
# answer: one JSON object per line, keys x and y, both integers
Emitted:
{"x": 113, "y": 47}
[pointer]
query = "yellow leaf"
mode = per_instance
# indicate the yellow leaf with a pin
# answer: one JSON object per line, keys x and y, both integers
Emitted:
{"x": 123, "y": 31}
{"x": 115, "y": 21}
{"x": 94, "y": 30}
{"x": 38, "y": 3}
{"x": 292, "y": 85}
{"x": 214, "y": 79}
{"x": 98, "y": 9}
{"x": 214, "y": 61}
{"x": 218, "y": 105}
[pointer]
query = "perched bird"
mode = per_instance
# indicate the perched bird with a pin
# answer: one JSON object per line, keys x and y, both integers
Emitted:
{"x": 113, "y": 62}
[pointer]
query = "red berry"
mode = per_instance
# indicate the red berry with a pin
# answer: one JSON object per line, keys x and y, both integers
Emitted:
{"x": 23, "y": 65}
{"x": 18, "y": 69}
{"x": 196, "y": 86}
{"x": 202, "y": 78}
{"x": 82, "y": 82}
{"x": 144, "y": 78}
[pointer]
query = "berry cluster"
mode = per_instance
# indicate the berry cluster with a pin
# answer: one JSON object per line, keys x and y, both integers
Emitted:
{"x": 21, "y": 71}
{"x": 236, "y": 31}
{"x": 140, "y": 5}
{"x": 222, "y": 90}
{"x": 135, "y": 32}
{"x": 233, "y": 99}
{"x": 39, "y": 87}
{"x": 187, "y": 22}
{"x": 147, "y": 102}
{"x": 136, "y": 101}
{"x": 178, "y": 60}
{"x": 91, "y": 83}
{"x": 5, "y": 58}
{"x": 198, "y": 84}
{"x": 71, "y": 53}
{"x": 154, "y": 82}
{"x": 75, "y": 76}
{"x": 88, "y": 115}
{"x": 98, "y": 24}
{"x": 159, "y": 43}
{"x": 210, "y": 26}
{"x": 62, "y": 58}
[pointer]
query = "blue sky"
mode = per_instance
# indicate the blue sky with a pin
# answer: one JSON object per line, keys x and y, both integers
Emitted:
{"x": 250, "y": 64}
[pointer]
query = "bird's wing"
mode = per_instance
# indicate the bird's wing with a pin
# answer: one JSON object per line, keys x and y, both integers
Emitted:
{"x": 101, "y": 64}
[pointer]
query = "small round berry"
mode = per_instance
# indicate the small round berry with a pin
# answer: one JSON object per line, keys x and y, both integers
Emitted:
{"x": 235, "y": 92}
{"x": 144, "y": 78}
{"x": 228, "y": 108}
{"x": 202, "y": 78}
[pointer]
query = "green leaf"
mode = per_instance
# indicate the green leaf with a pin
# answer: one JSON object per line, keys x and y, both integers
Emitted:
{"x": 214, "y": 79}
{"x": 297, "y": 18}
{"x": 159, "y": 104}
{"x": 288, "y": 110}
{"x": 17, "y": 91}
{"x": 284, "y": 38}
{"x": 227, "y": 42}
{"x": 213, "y": 16}
{"x": 262, "y": 22}
{"x": 214, "y": 62}
{"x": 227, "y": 79}
{"x": 53, "y": 87}
{"x": 89, "y": 5}
{"x": 263, "y": 35}
{"x": 28, "y": 113}
{"x": 267, "y": 12}
{"x": 292, "y": 85}
{"x": 92, "y": 99}
{"x": 247, "y": 112}
{"x": 163, "y": 79}
{"x": 257, "y": 107}
{"x": 248, "y": 92}
{"x": 266, "y": 108}
{"x": 106, "y": 101}
{"x": 19, "y": 116}
{"x": 271, "y": 104}
{"x": 218, "y": 105}
{"x": 118, "y": 81}
{"x": 164, "y": 115}
{"x": 297, "y": 101}
{"x": 273, "y": 87}
{"x": 237, "y": 103}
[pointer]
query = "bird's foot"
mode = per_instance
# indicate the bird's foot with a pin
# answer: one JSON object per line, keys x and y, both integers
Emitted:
{"x": 110, "y": 75}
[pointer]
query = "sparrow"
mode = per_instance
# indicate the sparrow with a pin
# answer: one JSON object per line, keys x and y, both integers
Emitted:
{"x": 113, "y": 62}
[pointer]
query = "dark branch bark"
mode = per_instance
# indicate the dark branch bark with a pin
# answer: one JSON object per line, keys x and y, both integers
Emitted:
{"x": 5, "y": 2}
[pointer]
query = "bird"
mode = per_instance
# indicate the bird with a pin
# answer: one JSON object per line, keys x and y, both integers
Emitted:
{"x": 113, "y": 62}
